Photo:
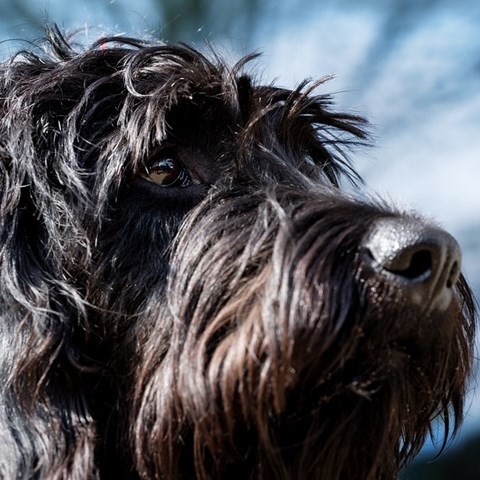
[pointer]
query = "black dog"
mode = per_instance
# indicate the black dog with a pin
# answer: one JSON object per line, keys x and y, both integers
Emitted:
{"x": 186, "y": 292}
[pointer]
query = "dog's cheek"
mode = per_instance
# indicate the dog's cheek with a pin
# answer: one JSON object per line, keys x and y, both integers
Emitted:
{"x": 134, "y": 239}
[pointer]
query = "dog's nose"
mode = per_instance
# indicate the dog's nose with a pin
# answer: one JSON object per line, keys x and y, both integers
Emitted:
{"x": 423, "y": 261}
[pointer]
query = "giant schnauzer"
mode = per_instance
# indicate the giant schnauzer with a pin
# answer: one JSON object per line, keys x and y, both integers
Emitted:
{"x": 187, "y": 291}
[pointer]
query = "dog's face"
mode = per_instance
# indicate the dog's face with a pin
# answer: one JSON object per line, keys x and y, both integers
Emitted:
{"x": 186, "y": 287}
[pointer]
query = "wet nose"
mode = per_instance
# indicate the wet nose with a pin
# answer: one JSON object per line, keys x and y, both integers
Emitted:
{"x": 422, "y": 260}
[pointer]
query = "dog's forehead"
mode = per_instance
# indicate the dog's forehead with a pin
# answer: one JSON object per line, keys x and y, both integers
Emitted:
{"x": 120, "y": 99}
{"x": 173, "y": 89}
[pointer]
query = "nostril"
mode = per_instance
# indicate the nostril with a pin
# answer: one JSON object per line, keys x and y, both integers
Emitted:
{"x": 411, "y": 265}
{"x": 454, "y": 275}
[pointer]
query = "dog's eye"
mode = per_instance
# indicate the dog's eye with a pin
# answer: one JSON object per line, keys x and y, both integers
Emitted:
{"x": 167, "y": 170}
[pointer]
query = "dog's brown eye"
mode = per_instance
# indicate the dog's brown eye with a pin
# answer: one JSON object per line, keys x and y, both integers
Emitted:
{"x": 167, "y": 170}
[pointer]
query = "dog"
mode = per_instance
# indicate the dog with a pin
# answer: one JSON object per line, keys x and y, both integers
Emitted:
{"x": 189, "y": 291}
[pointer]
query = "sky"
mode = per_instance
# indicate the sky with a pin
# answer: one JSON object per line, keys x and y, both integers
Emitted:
{"x": 411, "y": 66}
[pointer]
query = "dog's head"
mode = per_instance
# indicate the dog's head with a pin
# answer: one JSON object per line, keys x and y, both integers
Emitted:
{"x": 184, "y": 281}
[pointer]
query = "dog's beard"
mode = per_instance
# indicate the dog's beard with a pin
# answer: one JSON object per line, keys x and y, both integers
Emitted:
{"x": 272, "y": 373}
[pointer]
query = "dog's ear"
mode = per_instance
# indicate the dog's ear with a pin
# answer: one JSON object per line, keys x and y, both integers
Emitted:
{"x": 307, "y": 130}
{"x": 44, "y": 419}
{"x": 323, "y": 135}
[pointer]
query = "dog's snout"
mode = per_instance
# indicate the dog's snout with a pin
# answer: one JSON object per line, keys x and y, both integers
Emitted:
{"x": 423, "y": 261}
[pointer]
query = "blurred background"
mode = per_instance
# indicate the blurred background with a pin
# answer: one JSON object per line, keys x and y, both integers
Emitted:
{"x": 411, "y": 66}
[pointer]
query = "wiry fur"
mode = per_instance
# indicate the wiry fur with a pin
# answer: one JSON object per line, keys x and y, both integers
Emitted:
{"x": 224, "y": 330}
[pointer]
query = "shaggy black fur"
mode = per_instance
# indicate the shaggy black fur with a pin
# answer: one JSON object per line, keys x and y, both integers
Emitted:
{"x": 185, "y": 290}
